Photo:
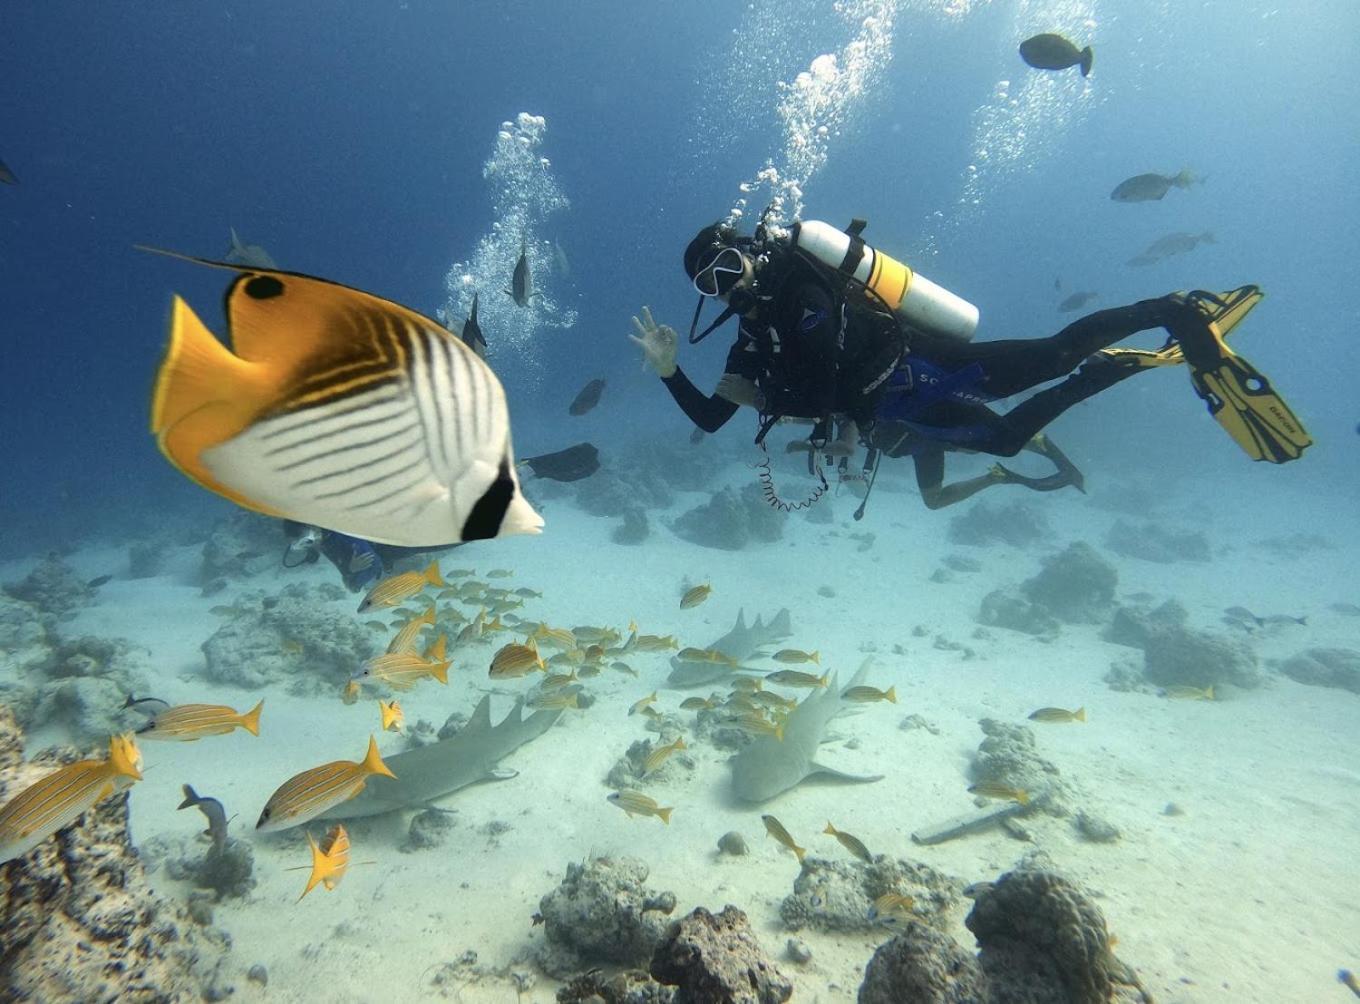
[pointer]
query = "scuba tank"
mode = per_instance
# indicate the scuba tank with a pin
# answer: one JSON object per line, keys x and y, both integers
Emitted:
{"x": 919, "y": 302}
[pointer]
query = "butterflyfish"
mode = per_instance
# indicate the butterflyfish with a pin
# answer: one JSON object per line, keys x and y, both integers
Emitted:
{"x": 337, "y": 408}
{"x": 58, "y": 799}
{"x": 395, "y": 588}
{"x": 188, "y": 722}
{"x": 305, "y": 796}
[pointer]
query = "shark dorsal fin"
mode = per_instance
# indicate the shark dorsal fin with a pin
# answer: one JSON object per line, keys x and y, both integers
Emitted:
{"x": 481, "y": 715}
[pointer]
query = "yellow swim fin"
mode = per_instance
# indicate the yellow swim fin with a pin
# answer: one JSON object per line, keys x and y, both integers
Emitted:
{"x": 1224, "y": 311}
{"x": 1238, "y": 395}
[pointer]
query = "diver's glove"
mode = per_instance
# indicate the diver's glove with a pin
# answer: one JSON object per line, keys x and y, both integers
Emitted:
{"x": 658, "y": 343}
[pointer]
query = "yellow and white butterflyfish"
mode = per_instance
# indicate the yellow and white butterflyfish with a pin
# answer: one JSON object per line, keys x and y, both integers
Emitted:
{"x": 339, "y": 409}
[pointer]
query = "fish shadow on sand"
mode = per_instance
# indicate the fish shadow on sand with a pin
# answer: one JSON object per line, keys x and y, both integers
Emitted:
{"x": 429, "y": 773}
{"x": 771, "y": 766}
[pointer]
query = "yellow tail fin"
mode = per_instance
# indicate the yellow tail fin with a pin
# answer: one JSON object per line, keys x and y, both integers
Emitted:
{"x": 432, "y": 575}
{"x": 1080, "y": 715}
{"x": 665, "y": 815}
{"x": 891, "y": 695}
{"x": 440, "y": 671}
{"x": 250, "y": 721}
{"x": 373, "y": 763}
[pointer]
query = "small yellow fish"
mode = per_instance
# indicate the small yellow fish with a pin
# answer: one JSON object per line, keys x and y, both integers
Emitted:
{"x": 330, "y": 859}
{"x": 58, "y": 799}
{"x": 350, "y": 692}
{"x": 494, "y": 626}
{"x": 769, "y": 699}
{"x": 1058, "y": 715}
{"x": 656, "y": 643}
{"x": 462, "y": 573}
{"x": 593, "y": 670}
{"x": 623, "y": 667}
{"x": 705, "y": 655}
{"x": 757, "y": 725}
{"x": 635, "y": 803}
{"x": 514, "y": 660}
{"x": 776, "y": 829}
{"x": 188, "y": 722}
{"x": 377, "y": 626}
{"x": 694, "y": 596}
{"x": 395, "y": 588}
{"x": 550, "y": 702}
{"x": 794, "y": 656}
{"x": 851, "y": 843}
{"x": 866, "y": 695}
{"x": 738, "y": 701}
{"x": 528, "y": 594}
{"x": 556, "y": 681}
{"x": 794, "y": 678}
{"x": 747, "y": 684}
{"x": 642, "y": 704}
{"x": 291, "y": 646}
{"x": 594, "y": 653}
{"x": 401, "y": 670}
{"x": 659, "y": 755}
{"x": 449, "y": 593}
{"x": 651, "y": 712}
{"x": 392, "y": 715}
{"x": 1182, "y": 693}
{"x": 405, "y": 639}
{"x": 586, "y": 634}
{"x": 993, "y": 789}
{"x": 890, "y": 907}
{"x": 499, "y": 573}
{"x": 698, "y": 704}
{"x": 305, "y": 796}
{"x": 559, "y": 638}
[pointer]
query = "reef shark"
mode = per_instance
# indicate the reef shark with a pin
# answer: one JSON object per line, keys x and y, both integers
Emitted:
{"x": 770, "y": 766}
{"x": 739, "y": 644}
{"x": 431, "y": 772}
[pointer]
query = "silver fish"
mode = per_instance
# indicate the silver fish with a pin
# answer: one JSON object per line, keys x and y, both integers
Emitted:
{"x": 521, "y": 282}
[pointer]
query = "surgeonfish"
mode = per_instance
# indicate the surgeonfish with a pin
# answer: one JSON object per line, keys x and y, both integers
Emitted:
{"x": 401, "y": 670}
{"x": 1151, "y": 187}
{"x": 6, "y": 175}
{"x": 305, "y": 796}
{"x": 695, "y": 595}
{"x": 1053, "y": 52}
{"x": 250, "y": 255}
{"x": 865, "y": 695}
{"x": 994, "y": 789}
{"x": 59, "y": 798}
{"x": 661, "y": 754}
{"x": 635, "y": 803}
{"x": 587, "y": 398}
{"x": 392, "y": 715}
{"x": 330, "y": 859}
{"x": 776, "y": 829}
{"x": 851, "y": 843}
{"x": 189, "y": 722}
{"x": 395, "y": 588}
{"x": 521, "y": 282}
{"x": 212, "y": 809}
{"x": 1076, "y": 301}
{"x": 472, "y": 331}
{"x": 337, "y": 408}
{"x": 1058, "y": 715}
{"x": 572, "y": 464}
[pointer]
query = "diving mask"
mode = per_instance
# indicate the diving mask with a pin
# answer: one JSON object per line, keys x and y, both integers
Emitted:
{"x": 722, "y": 273}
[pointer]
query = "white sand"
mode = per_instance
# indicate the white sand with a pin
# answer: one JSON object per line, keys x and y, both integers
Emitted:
{"x": 1248, "y": 896}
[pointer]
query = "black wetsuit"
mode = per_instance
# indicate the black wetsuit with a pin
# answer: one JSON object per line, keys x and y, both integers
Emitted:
{"x": 942, "y": 387}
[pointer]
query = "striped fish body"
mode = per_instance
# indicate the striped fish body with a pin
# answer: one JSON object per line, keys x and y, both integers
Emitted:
{"x": 395, "y": 588}
{"x": 405, "y": 639}
{"x": 57, "y": 800}
{"x": 515, "y": 660}
{"x": 635, "y": 803}
{"x": 339, "y": 409}
{"x": 330, "y": 859}
{"x": 188, "y": 722}
{"x": 402, "y": 670}
{"x": 307, "y": 795}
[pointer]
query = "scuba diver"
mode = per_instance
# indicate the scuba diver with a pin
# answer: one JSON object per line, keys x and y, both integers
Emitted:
{"x": 360, "y": 563}
{"x": 838, "y": 333}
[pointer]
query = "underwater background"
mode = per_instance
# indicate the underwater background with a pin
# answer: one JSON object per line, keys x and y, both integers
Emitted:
{"x": 406, "y": 148}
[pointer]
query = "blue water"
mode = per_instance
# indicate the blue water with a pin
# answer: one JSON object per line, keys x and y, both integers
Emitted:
{"x": 349, "y": 138}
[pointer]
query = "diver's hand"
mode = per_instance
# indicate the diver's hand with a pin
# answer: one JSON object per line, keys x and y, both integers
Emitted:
{"x": 658, "y": 343}
{"x": 739, "y": 391}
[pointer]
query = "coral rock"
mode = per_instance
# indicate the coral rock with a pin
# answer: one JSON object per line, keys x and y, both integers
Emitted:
{"x": 601, "y": 912}
{"x": 923, "y": 966}
{"x": 717, "y": 960}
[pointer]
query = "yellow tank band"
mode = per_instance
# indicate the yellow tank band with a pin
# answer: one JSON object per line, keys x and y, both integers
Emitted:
{"x": 889, "y": 278}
